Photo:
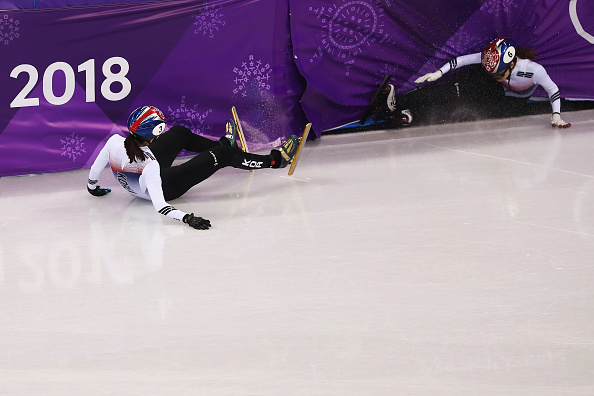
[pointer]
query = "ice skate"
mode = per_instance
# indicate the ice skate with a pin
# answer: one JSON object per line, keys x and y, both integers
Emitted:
{"x": 288, "y": 150}
{"x": 385, "y": 103}
{"x": 402, "y": 118}
{"x": 381, "y": 102}
{"x": 406, "y": 117}
{"x": 239, "y": 130}
{"x": 297, "y": 154}
{"x": 384, "y": 107}
{"x": 231, "y": 133}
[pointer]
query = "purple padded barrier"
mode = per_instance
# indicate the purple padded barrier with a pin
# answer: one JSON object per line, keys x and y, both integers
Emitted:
{"x": 71, "y": 3}
{"x": 28, "y": 4}
{"x": 344, "y": 48}
{"x": 16, "y": 4}
{"x": 71, "y": 76}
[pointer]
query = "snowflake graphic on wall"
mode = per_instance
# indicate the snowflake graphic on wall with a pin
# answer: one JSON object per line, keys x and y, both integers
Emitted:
{"x": 9, "y": 29}
{"x": 253, "y": 75}
{"x": 349, "y": 28}
{"x": 209, "y": 22}
{"x": 188, "y": 117}
{"x": 498, "y": 6}
{"x": 73, "y": 146}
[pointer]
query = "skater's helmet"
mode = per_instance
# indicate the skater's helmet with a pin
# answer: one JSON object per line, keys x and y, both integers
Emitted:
{"x": 146, "y": 122}
{"x": 498, "y": 55}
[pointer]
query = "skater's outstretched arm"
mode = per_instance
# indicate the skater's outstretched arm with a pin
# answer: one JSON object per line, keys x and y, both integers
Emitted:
{"x": 100, "y": 163}
{"x": 541, "y": 77}
{"x": 460, "y": 61}
{"x": 152, "y": 178}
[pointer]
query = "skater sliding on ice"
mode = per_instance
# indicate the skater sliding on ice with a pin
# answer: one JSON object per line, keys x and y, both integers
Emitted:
{"x": 512, "y": 67}
{"x": 143, "y": 162}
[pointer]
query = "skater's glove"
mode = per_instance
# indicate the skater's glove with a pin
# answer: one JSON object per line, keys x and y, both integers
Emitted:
{"x": 429, "y": 77}
{"x": 98, "y": 191}
{"x": 556, "y": 121}
{"x": 196, "y": 222}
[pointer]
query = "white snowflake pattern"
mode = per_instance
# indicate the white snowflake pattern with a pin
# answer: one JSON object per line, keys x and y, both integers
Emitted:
{"x": 73, "y": 146}
{"x": 188, "y": 117}
{"x": 253, "y": 74}
{"x": 209, "y": 22}
{"x": 349, "y": 28}
{"x": 9, "y": 29}
{"x": 498, "y": 6}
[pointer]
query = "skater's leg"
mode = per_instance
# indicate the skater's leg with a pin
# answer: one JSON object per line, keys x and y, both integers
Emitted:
{"x": 177, "y": 180}
{"x": 167, "y": 146}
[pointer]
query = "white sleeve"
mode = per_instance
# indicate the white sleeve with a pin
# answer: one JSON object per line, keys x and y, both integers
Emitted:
{"x": 152, "y": 175}
{"x": 460, "y": 61}
{"x": 100, "y": 163}
{"x": 542, "y": 78}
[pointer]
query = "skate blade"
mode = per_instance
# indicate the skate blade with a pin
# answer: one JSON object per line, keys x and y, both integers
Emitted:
{"x": 302, "y": 141}
{"x": 370, "y": 108}
{"x": 244, "y": 146}
{"x": 239, "y": 129}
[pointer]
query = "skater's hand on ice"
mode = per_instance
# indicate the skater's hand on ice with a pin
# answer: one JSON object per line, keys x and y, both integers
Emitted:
{"x": 429, "y": 77}
{"x": 556, "y": 121}
{"x": 196, "y": 222}
{"x": 98, "y": 191}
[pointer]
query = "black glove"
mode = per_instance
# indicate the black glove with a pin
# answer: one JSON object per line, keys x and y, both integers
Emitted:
{"x": 99, "y": 192}
{"x": 196, "y": 222}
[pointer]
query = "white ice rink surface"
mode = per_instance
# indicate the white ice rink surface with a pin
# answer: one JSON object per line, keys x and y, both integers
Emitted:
{"x": 441, "y": 260}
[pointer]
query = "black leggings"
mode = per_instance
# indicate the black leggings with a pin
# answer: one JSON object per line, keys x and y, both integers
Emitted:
{"x": 212, "y": 156}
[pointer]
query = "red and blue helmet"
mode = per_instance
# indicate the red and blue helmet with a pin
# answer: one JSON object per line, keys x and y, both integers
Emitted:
{"x": 146, "y": 122}
{"x": 498, "y": 55}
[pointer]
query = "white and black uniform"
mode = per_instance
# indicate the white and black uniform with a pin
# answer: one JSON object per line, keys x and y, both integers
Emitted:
{"x": 523, "y": 79}
{"x": 142, "y": 179}
{"x": 158, "y": 180}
